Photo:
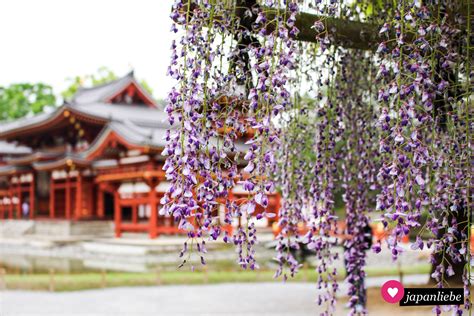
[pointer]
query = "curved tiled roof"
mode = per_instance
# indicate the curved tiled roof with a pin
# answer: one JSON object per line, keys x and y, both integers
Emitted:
{"x": 137, "y": 125}
{"x": 67, "y": 159}
{"x": 94, "y": 103}
{"x": 104, "y": 92}
{"x": 131, "y": 134}
{"x": 9, "y": 170}
{"x": 18, "y": 124}
{"x": 28, "y": 158}
{"x": 142, "y": 116}
{"x": 13, "y": 149}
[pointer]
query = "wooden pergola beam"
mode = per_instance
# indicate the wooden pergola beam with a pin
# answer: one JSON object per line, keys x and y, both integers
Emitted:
{"x": 345, "y": 33}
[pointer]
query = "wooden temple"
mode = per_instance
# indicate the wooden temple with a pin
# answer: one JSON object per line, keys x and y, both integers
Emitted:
{"x": 96, "y": 157}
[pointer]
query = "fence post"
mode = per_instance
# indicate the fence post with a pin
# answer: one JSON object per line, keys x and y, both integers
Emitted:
{"x": 400, "y": 271}
{"x": 3, "y": 284}
{"x": 103, "y": 280}
{"x": 51, "y": 280}
{"x": 158, "y": 276}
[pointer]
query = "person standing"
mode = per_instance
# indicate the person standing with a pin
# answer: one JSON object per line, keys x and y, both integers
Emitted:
{"x": 25, "y": 209}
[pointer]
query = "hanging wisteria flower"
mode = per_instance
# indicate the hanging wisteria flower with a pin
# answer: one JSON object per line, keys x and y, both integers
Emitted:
{"x": 381, "y": 120}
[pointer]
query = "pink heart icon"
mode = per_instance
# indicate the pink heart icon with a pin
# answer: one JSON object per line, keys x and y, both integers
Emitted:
{"x": 392, "y": 291}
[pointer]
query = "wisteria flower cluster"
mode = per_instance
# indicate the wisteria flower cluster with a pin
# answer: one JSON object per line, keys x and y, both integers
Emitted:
{"x": 260, "y": 104}
{"x": 214, "y": 109}
{"x": 423, "y": 143}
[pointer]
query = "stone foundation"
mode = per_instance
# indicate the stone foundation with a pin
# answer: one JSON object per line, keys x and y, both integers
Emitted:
{"x": 59, "y": 228}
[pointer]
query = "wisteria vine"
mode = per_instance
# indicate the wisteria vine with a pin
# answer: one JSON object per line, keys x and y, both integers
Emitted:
{"x": 388, "y": 127}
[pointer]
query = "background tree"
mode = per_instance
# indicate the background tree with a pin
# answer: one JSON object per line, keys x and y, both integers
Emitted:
{"x": 20, "y": 99}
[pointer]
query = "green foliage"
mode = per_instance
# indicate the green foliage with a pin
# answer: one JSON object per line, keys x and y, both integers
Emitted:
{"x": 146, "y": 86}
{"x": 102, "y": 76}
{"x": 17, "y": 100}
{"x": 369, "y": 8}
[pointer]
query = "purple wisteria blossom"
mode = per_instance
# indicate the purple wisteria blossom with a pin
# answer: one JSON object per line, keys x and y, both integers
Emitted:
{"x": 385, "y": 128}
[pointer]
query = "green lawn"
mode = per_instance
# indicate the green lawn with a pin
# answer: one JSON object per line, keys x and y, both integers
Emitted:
{"x": 82, "y": 281}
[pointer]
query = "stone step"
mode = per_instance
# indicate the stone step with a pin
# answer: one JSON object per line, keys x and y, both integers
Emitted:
{"x": 58, "y": 228}
{"x": 73, "y": 228}
{"x": 12, "y": 227}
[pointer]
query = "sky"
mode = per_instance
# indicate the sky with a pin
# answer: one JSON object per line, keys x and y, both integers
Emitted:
{"x": 51, "y": 40}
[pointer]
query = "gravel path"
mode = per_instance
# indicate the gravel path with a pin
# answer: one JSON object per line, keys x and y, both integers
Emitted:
{"x": 223, "y": 299}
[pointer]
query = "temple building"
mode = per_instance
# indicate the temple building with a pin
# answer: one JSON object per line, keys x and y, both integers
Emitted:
{"x": 96, "y": 157}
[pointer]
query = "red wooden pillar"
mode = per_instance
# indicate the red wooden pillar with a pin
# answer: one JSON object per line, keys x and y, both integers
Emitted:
{"x": 153, "y": 229}
{"x": 90, "y": 200}
{"x": 18, "y": 207}
{"x": 10, "y": 207}
{"x": 4, "y": 208}
{"x": 32, "y": 196}
{"x": 277, "y": 210}
{"x": 68, "y": 196}
{"x": 77, "y": 213}
{"x": 117, "y": 213}
{"x": 100, "y": 201}
{"x": 134, "y": 213}
{"x": 278, "y": 204}
{"x": 52, "y": 198}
